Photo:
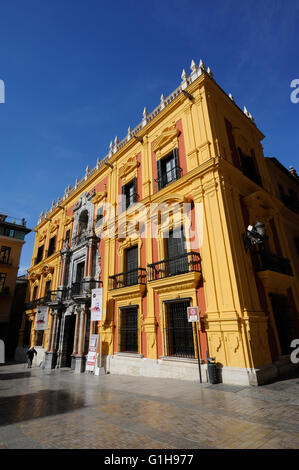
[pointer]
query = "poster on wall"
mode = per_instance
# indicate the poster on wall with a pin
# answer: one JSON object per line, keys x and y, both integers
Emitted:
{"x": 92, "y": 352}
{"x": 41, "y": 318}
{"x": 96, "y": 304}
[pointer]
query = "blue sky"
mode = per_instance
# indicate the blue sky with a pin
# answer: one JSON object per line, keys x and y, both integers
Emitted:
{"x": 78, "y": 73}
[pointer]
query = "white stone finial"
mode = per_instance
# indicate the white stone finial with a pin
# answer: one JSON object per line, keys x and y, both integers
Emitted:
{"x": 145, "y": 117}
{"x": 87, "y": 170}
{"x": 184, "y": 75}
{"x": 245, "y": 111}
{"x": 116, "y": 141}
{"x": 162, "y": 101}
{"x": 111, "y": 145}
{"x": 129, "y": 134}
{"x": 202, "y": 66}
{"x": 53, "y": 203}
{"x": 98, "y": 162}
{"x": 209, "y": 72}
{"x": 231, "y": 97}
{"x": 76, "y": 182}
{"x": 193, "y": 66}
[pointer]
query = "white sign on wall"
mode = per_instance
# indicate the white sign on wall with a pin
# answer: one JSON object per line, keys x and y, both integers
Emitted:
{"x": 41, "y": 318}
{"x": 193, "y": 314}
{"x": 96, "y": 304}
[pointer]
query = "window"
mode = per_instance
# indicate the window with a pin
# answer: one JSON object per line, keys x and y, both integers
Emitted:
{"x": 178, "y": 331}
{"x": 40, "y": 252}
{"x": 176, "y": 252}
{"x": 129, "y": 194}
{"x": 2, "y": 281}
{"x": 131, "y": 255}
{"x": 47, "y": 288}
{"x": 34, "y": 294}
{"x": 168, "y": 169}
{"x": 5, "y": 254}
{"x": 80, "y": 271}
{"x": 7, "y": 232}
{"x": 248, "y": 166}
{"x": 52, "y": 244}
{"x": 67, "y": 237}
{"x": 129, "y": 329}
{"x": 99, "y": 217}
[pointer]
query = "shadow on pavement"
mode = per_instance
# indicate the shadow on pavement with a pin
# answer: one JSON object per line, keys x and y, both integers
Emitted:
{"x": 37, "y": 405}
{"x": 15, "y": 375}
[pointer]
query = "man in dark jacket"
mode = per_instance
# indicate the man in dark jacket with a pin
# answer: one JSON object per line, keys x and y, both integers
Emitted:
{"x": 30, "y": 354}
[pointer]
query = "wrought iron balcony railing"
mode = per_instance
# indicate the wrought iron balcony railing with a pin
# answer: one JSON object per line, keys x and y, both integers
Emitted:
{"x": 185, "y": 263}
{"x": 129, "y": 278}
{"x": 80, "y": 238}
{"x": 265, "y": 260}
{"x": 84, "y": 288}
{"x": 40, "y": 301}
{"x": 168, "y": 177}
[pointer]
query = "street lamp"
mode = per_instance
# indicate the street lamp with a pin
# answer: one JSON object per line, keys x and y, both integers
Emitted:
{"x": 255, "y": 235}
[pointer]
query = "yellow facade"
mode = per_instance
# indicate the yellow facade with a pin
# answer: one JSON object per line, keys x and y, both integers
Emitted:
{"x": 214, "y": 150}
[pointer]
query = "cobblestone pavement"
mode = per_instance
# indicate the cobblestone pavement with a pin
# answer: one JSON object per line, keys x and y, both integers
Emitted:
{"x": 61, "y": 410}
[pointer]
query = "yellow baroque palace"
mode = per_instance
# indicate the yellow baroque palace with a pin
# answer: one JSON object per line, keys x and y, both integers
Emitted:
{"x": 185, "y": 211}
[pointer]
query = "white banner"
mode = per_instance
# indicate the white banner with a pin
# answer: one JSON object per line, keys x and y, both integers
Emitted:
{"x": 92, "y": 352}
{"x": 97, "y": 304}
{"x": 41, "y": 318}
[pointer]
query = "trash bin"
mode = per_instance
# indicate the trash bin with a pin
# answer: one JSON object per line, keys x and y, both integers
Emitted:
{"x": 212, "y": 370}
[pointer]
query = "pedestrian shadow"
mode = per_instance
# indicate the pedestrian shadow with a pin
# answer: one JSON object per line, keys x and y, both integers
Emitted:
{"x": 43, "y": 403}
{"x": 15, "y": 375}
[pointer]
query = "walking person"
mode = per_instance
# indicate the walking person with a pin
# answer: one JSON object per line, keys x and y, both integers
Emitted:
{"x": 30, "y": 354}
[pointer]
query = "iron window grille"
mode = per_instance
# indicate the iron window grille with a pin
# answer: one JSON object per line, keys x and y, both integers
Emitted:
{"x": 178, "y": 332}
{"x": 128, "y": 329}
{"x": 5, "y": 255}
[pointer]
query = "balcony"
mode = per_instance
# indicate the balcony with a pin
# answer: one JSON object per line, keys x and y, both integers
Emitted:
{"x": 4, "y": 291}
{"x": 267, "y": 261}
{"x": 80, "y": 238}
{"x": 84, "y": 288}
{"x": 186, "y": 263}
{"x": 40, "y": 301}
{"x": 168, "y": 177}
{"x": 129, "y": 278}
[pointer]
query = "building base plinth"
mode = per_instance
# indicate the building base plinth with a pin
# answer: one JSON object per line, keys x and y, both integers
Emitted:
{"x": 187, "y": 369}
{"x": 50, "y": 360}
{"x": 78, "y": 364}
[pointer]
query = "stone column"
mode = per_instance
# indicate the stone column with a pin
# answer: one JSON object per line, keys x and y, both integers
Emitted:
{"x": 49, "y": 348}
{"x": 89, "y": 271}
{"x": 53, "y": 336}
{"x": 82, "y": 333}
{"x": 77, "y": 325}
{"x": 86, "y": 261}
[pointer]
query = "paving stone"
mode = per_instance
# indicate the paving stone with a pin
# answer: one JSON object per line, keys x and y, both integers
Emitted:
{"x": 61, "y": 410}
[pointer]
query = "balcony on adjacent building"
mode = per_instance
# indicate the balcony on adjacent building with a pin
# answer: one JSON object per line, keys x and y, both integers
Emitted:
{"x": 185, "y": 263}
{"x": 129, "y": 278}
{"x": 267, "y": 261}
